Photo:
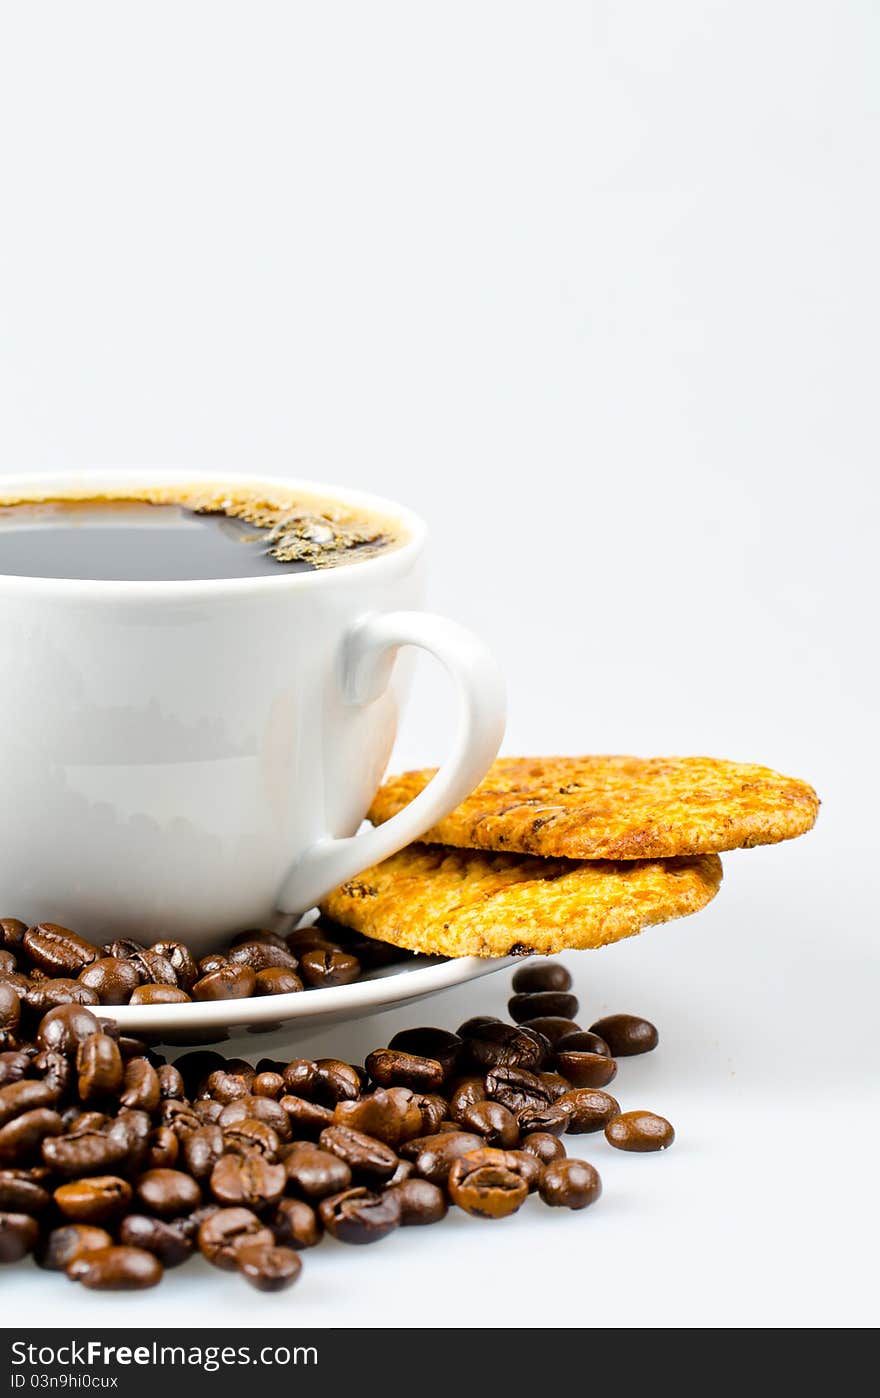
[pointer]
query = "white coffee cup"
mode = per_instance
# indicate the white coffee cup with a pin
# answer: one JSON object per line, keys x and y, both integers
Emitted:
{"x": 184, "y": 759}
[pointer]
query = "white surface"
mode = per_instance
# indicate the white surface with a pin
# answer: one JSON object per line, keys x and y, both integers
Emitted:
{"x": 594, "y": 288}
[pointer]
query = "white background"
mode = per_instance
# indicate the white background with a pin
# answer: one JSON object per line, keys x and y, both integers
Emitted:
{"x": 595, "y": 289}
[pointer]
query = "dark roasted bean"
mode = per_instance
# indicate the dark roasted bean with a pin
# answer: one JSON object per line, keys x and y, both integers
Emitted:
{"x": 268, "y": 1085}
{"x": 263, "y": 1109}
{"x": 639, "y": 1131}
{"x": 322, "y": 968}
{"x": 66, "y": 1026}
{"x": 97, "y": 1200}
{"x": 493, "y": 1122}
{"x": 337, "y": 1081}
{"x": 543, "y": 1146}
{"x": 223, "y": 1232}
{"x": 267, "y": 1267}
{"x": 181, "y": 961}
{"x": 116, "y": 1269}
{"x": 47, "y": 994}
{"x": 588, "y": 1110}
{"x": 555, "y": 1084}
{"x": 586, "y": 1069}
{"x": 488, "y": 1183}
{"x": 134, "y": 1129}
{"x": 421, "y": 1202}
{"x": 170, "y": 1081}
{"x": 553, "y": 1027}
{"x": 428, "y": 1042}
{"x": 276, "y": 981}
{"x": 252, "y": 1137}
{"x": 18, "y": 1236}
{"x": 551, "y": 1120}
{"x": 465, "y": 1093}
{"x": 24, "y": 1096}
{"x": 99, "y": 1068}
{"x": 14, "y": 1063}
{"x": 434, "y": 1156}
{"x": 627, "y": 1035}
{"x": 583, "y": 1041}
{"x": 536, "y": 976}
{"x": 56, "y": 950}
{"x": 8, "y": 961}
{"x": 226, "y": 1087}
{"x": 23, "y": 1191}
{"x": 159, "y": 995}
{"x": 166, "y": 1240}
{"x": 517, "y": 1089}
{"x": 314, "y": 1173}
{"x": 359, "y": 1216}
{"x": 301, "y": 1078}
{"x": 506, "y": 1045}
{"x": 12, "y": 931}
{"x": 558, "y": 1003}
{"x": 168, "y": 1193}
{"x": 391, "y": 1116}
{"x": 393, "y": 1068}
{"x": 140, "y": 1085}
{"x": 154, "y": 968}
{"x": 226, "y": 983}
{"x": 111, "y": 978}
{"x": 164, "y": 1149}
{"x": 262, "y": 956}
{"x": 307, "y": 1119}
{"x": 248, "y": 1180}
{"x": 202, "y": 1149}
{"x": 92, "y": 1153}
{"x": 10, "y": 1009}
{"x": 213, "y": 962}
{"x": 63, "y": 1244}
{"x": 197, "y": 1065}
{"x": 22, "y": 1138}
{"x": 295, "y": 1224}
{"x": 569, "y": 1184}
{"x": 475, "y": 1026}
{"x": 366, "y": 1157}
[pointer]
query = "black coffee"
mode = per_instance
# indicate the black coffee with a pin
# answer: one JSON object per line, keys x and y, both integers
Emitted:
{"x": 137, "y": 541}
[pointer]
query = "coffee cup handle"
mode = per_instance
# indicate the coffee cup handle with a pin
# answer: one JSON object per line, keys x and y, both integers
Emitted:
{"x": 366, "y": 662}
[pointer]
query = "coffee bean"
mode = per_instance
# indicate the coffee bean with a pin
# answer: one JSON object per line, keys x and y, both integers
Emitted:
{"x": 23, "y": 1191}
{"x": 337, "y": 1080}
{"x": 553, "y": 1027}
{"x": 112, "y": 979}
{"x": 472, "y": 1028}
{"x": 181, "y": 960}
{"x": 543, "y": 1147}
{"x": 528, "y": 1166}
{"x": 166, "y": 1240}
{"x": 262, "y": 956}
{"x": 392, "y": 1068}
{"x": 168, "y": 1193}
{"x": 555, "y": 1084}
{"x": 569, "y": 1184}
{"x": 487, "y": 1183}
{"x": 493, "y": 1122}
{"x": 421, "y": 1202}
{"x": 367, "y": 1158}
{"x": 301, "y": 1078}
{"x": 588, "y": 1110}
{"x": 252, "y": 1137}
{"x": 24, "y": 1096}
{"x": 14, "y": 1063}
{"x": 164, "y": 1149}
{"x": 12, "y": 931}
{"x": 276, "y": 981}
{"x": 141, "y": 1089}
{"x": 557, "y": 1003}
{"x": 170, "y": 1081}
{"x": 268, "y": 1085}
{"x": 116, "y": 1269}
{"x": 434, "y": 1156}
{"x": 97, "y": 1200}
{"x": 159, "y": 995}
{"x": 639, "y": 1131}
{"x": 627, "y": 1035}
{"x": 58, "y": 951}
{"x": 202, "y": 1149}
{"x": 18, "y": 1236}
{"x": 583, "y": 1041}
{"x": 227, "y": 1087}
{"x": 315, "y": 1173}
{"x": 196, "y": 1065}
{"x": 21, "y": 1139}
{"x": 99, "y": 1067}
{"x": 390, "y": 1116}
{"x": 48, "y": 994}
{"x": 428, "y": 1042}
{"x": 359, "y": 1216}
{"x": 226, "y": 983}
{"x": 465, "y": 1093}
{"x": 221, "y": 1234}
{"x": 10, "y": 1009}
{"x": 63, "y": 1244}
{"x": 64, "y": 1027}
{"x": 307, "y": 1119}
{"x": 517, "y": 1089}
{"x": 262, "y": 1109}
{"x": 504, "y": 1045}
{"x": 552, "y": 1120}
{"x": 329, "y": 968}
{"x": 92, "y": 1153}
{"x": 133, "y": 1129}
{"x": 267, "y": 1267}
{"x": 295, "y": 1224}
{"x": 586, "y": 1069}
{"x": 249, "y": 1180}
{"x": 541, "y": 975}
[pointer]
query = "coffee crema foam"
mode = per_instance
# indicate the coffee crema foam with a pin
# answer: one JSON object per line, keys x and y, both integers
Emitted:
{"x": 299, "y": 530}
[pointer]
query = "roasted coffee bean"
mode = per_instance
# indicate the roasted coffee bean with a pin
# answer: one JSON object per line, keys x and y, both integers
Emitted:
{"x": 194, "y": 1067}
{"x": 421, "y": 1202}
{"x": 225, "y": 1231}
{"x": 252, "y": 1137}
{"x": 24, "y": 1096}
{"x": 588, "y": 1110}
{"x": 543, "y": 1147}
{"x": 213, "y": 962}
{"x": 47, "y": 994}
{"x": 14, "y": 1063}
{"x": 315, "y": 1173}
{"x": 267, "y": 1267}
{"x": 141, "y": 1088}
{"x": 295, "y": 1224}
{"x": 168, "y": 1193}
{"x": 263, "y": 1109}
{"x": 208, "y": 1111}
{"x": 428, "y": 1042}
{"x": 301, "y": 1078}
{"x": 262, "y": 956}
{"x": 552, "y": 1120}
{"x": 181, "y": 960}
{"x": 493, "y": 1122}
{"x": 328, "y": 968}
{"x": 155, "y": 969}
{"x": 12, "y": 931}
{"x": 226, "y": 1087}
{"x": 569, "y": 1184}
{"x": 583, "y": 1041}
{"x": 226, "y": 983}
{"x": 555, "y": 1084}
{"x": 54, "y": 1070}
{"x": 432, "y": 1109}
{"x": 159, "y": 995}
{"x": 268, "y": 1085}
{"x": 337, "y": 1081}
{"x": 23, "y": 1191}
{"x": 248, "y": 1180}
{"x": 164, "y": 1149}
{"x": 529, "y": 1167}
{"x": 557, "y": 1003}
{"x": 18, "y": 1236}
{"x": 359, "y": 1216}
{"x": 586, "y": 1069}
{"x": 8, "y": 962}
{"x": 465, "y": 1093}
{"x": 434, "y": 1156}
{"x": 393, "y": 1068}
{"x": 475, "y": 1026}
{"x": 488, "y": 1183}
{"x": 307, "y": 1119}
{"x": 97, "y": 1200}
{"x": 64, "y": 1027}
{"x": 134, "y": 1129}
{"x": 58, "y": 951}
{"x": 22, "y": 1138}
{"x": 91, "y": 1153}
{"x": 639, "y": 1131}
{"x": 366, "y": 1158}
{"x": 405, "y": 1170}
{"x": 538, "y": 976}
{"x": 99, "y": 1068}
{"x": 202, "y": 1149}
{"x": 391, "y": 1116}
{"x": 627, "y": 1035}
{"x": 63, "y": 1244}
{"x": 112, "y": 979}
{"x": 116, "y": 1269}
{"x": 10, "y": 1009}
{"x": 517, "y": 1089}
{"x": 21, "y": 984}
{"x": 123, "y": 948}
{"x": 190, "y": 1224}
{"x": 507, "y": 1046}
{"x": 170, "y": 1081}
{"x": 276, "y": 981}
{"x": 553, "y": 1027}
{"x": 167, "y": 1241}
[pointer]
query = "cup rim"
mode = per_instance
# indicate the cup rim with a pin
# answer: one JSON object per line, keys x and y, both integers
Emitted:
{"x": 40, "y": 484}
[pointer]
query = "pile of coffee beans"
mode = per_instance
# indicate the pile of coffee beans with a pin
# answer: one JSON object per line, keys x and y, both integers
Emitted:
{"x": 48, "y": 965}
{"x": 115, "y": 1164}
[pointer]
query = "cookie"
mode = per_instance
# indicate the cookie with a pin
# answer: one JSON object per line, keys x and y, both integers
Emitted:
{"x": 455, "y": 902}
{"x": 616, "y": 807}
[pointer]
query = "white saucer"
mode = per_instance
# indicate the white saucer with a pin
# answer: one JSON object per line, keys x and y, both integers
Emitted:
{"x": 208, "y": 1021}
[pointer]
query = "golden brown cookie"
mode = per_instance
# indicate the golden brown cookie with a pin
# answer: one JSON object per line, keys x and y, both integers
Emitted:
{"x": 616, "y": 807}
{"x": 454, "y": 902}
